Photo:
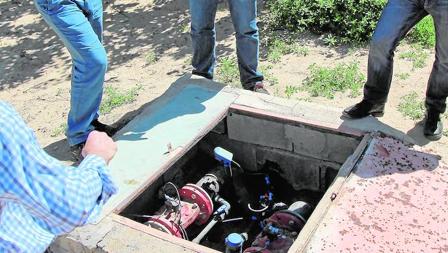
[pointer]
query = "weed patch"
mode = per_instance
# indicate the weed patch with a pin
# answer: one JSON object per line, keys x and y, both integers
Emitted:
{"x": 278, "y": 48}
{"x": 403, "y": 76}
{"x": 61, "y": 129}
{"x": 326, "y": 81}
{"x": 227, "y": 71}
{"x": 411, "y": 106}
{"x": 150, "y": 57}
{"x": 114, "y": 98}
{"x": 291, "y": 90}
{"x": 417, "y": 55}
{"x": 269, "y": 78}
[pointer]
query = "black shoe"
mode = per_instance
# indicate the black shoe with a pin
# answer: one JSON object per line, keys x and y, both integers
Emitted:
{"x": 109, "y": 130}
{"x": 433, "y": 127}
{"x": 364, "y": 109}
{"x": 75, "y": 150}
{"x": 259, "y": 88}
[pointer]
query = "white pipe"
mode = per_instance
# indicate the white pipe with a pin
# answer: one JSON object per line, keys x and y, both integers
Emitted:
{"x": 225, "y": 206}
{"x": 204, "y": 232}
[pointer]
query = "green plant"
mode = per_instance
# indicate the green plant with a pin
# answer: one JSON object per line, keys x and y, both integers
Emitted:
{"x": 411, "y": 106}
{"x": 424, "y": 33}
{"x": 277, "y": 92}
{"x": 330, "y": 40}
{"x": 326, "y": 81}
{"x": 278, "y": 48}
{"x": 185, "y": 28}
{"x": 291, "y": 90}
{"x": 150, "y": 57}
{"x": 417, "y": 55}
{"x": 266, "y": 70}
{"x": 354, "y": 20}
{"x": 227, "y": 71}
{"x": 403, "y": 76}
{"x": 61, "y": 129}
{"x": 114, "y": 98}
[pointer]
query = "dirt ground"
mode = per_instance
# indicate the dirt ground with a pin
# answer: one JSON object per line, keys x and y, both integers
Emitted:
{"x": 35, "y": 66}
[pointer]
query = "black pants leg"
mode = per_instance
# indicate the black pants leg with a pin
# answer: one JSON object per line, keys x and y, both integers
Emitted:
{"x": 397, "y": 18}
{"x": 437, "y": 90}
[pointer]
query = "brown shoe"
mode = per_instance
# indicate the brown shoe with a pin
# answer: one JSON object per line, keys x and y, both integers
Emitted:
{"x": 259, "y": 87}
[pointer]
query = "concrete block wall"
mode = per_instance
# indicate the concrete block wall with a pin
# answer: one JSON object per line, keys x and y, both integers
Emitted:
{"x": 301, "y": 139}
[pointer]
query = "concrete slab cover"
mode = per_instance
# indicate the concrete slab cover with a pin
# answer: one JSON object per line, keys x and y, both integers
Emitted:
{"x": 396, "y": 200}
{"x": 154, "y": 136}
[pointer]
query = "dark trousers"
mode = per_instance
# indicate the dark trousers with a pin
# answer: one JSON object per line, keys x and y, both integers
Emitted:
{"x": 398, "y": 17}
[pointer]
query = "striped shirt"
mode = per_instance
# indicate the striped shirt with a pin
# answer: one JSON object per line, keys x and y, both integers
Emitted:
{"x": 40, "y": 197}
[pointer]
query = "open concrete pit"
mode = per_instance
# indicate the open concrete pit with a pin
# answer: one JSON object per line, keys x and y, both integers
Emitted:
{"x": 280, "y": 169}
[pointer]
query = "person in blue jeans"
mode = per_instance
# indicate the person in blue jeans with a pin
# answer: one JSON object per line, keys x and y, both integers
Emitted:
{"x": 203, "y": 35}
{"x": 79, "y": 24}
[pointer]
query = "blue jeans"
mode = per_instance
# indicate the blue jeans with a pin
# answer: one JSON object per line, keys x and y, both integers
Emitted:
{"x": 203, "y": 35}
{"x": 398, "y": 17}
{"x": 79, "y": 24}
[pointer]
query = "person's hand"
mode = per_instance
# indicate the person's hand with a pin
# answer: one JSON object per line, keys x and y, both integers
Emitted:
{"x": 98, "y": 143}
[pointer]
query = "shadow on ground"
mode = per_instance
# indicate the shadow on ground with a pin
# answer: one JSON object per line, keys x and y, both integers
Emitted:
{"x": 61, "y": 151}
{"x": 29, "y": 48}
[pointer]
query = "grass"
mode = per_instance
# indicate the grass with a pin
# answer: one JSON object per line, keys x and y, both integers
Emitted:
{"x": 326, "y": 81}
{"x": 113, "y": 98}
{"x": 151, "y": 57}
{"x": 269, "y": 78}
{"x": 61, "y": 129}
{"x": 278, "y": 48}
{"x": 227, "y": 71}
{"x": 417, "y": 55}
{"x": 403, "y": 76}
{"x": 291, "y": 90}
{"x": 411, "y": 106}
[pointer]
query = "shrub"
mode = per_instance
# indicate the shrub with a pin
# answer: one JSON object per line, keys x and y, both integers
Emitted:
{"x": 352, "y": 20}
{"x": 424, "y": 33}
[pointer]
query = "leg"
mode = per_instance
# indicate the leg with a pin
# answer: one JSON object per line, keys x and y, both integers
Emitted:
{"x": 203, "y": 36}
{"x": 398, "y": 17}
{"x": 244, "y": 17}
{"x": 437, "y": 90}
{"x": 68, "y": 19}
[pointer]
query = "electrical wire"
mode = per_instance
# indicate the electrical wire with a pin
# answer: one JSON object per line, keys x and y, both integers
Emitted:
{"x": 178, "y": 197}
{"x": 237, "y": 164}
{"x": 257, "y": 210}
{"x": 178, "y": 217}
